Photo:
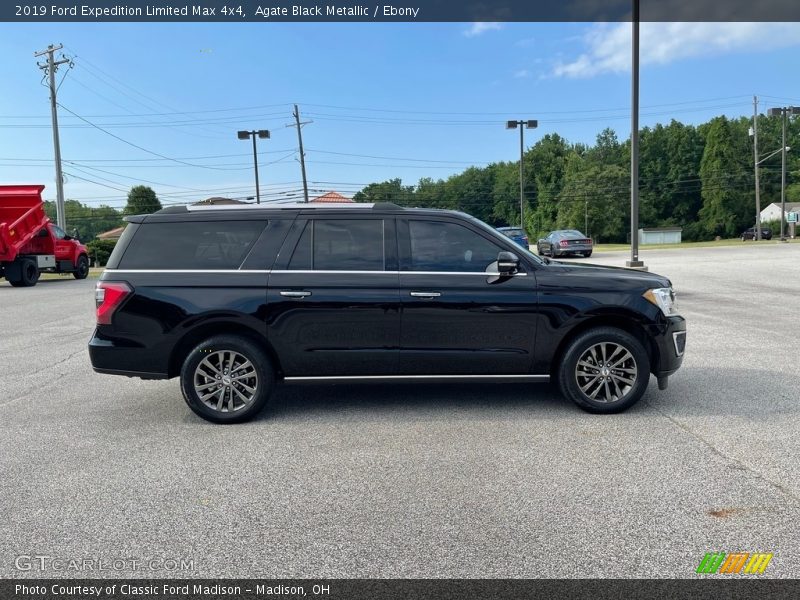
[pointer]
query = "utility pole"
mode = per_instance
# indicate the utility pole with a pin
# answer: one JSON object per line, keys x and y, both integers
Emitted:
{"x": 784, "y": 113}
{"x": 50, "y": 67}
{"x": 634, "y": 261}
{"x": 586, "y": 215}
{"x": 299, "y": 125}
{"x": 755, "y": 161}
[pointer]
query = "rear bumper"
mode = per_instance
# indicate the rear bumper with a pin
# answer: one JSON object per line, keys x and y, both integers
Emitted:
{"x": 115, "y": 358}
{"x": 577, "y": 248}
{"x": 670, "y": 339}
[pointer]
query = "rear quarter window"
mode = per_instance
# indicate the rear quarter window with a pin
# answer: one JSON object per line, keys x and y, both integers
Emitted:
{"x": 192, "y": 245}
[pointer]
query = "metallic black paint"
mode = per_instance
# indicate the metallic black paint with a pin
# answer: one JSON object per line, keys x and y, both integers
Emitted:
{"x": 368, "y": 323}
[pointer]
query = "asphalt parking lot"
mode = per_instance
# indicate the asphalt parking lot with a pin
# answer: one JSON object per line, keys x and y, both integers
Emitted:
{"x": 495, "y": 480}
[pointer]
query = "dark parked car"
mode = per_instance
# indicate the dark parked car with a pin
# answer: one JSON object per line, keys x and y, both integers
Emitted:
{"x": 233, "y": 299}
{"x": 517, "y": 234}
{"x": 750, "y": 234}
{"x": 565, "y": 242}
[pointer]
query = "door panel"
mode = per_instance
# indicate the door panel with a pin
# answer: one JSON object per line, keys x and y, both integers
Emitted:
{"x": 334, "y": 309}
{"x": 459, "y": 319}
{"x": 62, "y": 248}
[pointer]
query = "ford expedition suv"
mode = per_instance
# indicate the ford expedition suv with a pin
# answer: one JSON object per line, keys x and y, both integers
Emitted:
{"x": 233, "y": 300}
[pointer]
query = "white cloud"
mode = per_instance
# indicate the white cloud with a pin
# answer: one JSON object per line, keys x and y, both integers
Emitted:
{"x": 522, "y": 74}
{"x": 608, "y": 47}
{"x": 481, "y": 27}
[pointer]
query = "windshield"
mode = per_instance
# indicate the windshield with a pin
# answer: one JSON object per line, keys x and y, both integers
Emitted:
{"x": 512, "y": 232}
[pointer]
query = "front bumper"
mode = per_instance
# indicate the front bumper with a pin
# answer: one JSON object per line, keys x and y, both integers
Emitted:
{"x": 670, "y": 341}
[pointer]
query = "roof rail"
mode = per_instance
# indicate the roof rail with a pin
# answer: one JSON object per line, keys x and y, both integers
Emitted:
{"x": 280, "y": 206}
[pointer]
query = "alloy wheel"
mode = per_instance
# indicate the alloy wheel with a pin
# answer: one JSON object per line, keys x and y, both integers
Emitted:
{"x": 226, "y": 381}
{"x": 606, "y": 372}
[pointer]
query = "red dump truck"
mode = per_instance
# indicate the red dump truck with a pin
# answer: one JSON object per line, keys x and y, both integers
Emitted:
{"x": 30, "y": 243}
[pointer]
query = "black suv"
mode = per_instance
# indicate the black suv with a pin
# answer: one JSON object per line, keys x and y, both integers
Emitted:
{"x": 750, "y": 234}
{"x": 233, "y": 299}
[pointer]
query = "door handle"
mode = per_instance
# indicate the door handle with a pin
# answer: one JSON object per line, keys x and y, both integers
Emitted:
{"x": 292, "y": 294}
{"x": 425, "y": 294}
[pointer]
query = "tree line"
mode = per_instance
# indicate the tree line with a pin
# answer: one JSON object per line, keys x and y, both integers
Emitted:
{"x": 90, "y": 221}
{"x": 700, "y": 178}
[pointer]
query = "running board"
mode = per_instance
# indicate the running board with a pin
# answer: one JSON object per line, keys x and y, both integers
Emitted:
{"x": 356, "y": 378}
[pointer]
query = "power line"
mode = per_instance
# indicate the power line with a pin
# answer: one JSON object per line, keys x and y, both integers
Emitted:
{"x": 124, "y": 141}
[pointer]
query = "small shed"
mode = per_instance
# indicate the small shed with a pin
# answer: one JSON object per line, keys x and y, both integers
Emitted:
{"x": 660, "y": 235}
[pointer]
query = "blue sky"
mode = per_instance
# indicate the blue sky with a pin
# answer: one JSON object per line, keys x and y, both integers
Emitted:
{"x": 405, "y": 100}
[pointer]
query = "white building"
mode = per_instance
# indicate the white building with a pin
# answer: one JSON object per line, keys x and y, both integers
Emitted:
{"x": 660, "y": 235}
{"x": 773, "y": 211}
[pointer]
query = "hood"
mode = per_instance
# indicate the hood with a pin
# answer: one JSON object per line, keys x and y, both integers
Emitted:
{"x": 632, "y": 277}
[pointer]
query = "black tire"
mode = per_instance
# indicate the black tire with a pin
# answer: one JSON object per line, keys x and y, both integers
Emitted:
{"x": 553, "y": 252}
{"x": 587, "y": 254}
{"x": 82, "y": 268}
{"x": 28, "y": 274}
{"x": 571, "y": 377}
{"x": 233, "y": 408}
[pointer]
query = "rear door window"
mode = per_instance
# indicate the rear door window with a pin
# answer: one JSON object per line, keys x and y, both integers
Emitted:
{"x": 340, "y": 245}
{"x": 191, "y": 245}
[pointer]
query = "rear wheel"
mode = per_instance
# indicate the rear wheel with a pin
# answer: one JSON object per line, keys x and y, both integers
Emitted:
{"x": 604, "y": 370}
{"x": 28, "y": 274}
{"x": 82, "y": 268}
{"x": 227, "y": 379}
{"x": 587, "y": 254}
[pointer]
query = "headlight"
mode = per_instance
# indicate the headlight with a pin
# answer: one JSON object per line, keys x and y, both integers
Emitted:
{"x": 663, "y": 298}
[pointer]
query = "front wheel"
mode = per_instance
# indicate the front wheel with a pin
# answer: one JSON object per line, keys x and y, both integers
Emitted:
{"x": 82, "y": 268}
{"x": 604, "y": 370}
{"x": 227, "y": 379}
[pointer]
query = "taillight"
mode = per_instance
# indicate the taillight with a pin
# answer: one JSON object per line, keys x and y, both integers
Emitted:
{"x": 563, "y": 243}
{"x": 108, "y": 295}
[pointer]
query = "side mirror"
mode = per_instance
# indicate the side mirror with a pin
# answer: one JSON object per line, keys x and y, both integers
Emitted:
{"x": 507, "y": 263}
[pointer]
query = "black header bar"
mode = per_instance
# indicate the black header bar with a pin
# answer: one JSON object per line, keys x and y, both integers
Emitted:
{"x": 237, "y": 11}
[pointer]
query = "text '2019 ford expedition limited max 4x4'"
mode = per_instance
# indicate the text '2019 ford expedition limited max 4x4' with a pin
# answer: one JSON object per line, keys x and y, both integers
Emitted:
{"x": 233, "y": 299}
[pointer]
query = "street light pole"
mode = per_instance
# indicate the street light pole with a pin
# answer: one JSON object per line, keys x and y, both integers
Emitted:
{"x": 263, "y": 134}
{"x": 634, "y": 261}
{"x": 255, "y": 166}
{"x": 529, "y": 124}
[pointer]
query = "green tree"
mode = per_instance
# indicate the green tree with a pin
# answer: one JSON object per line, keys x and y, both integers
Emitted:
{"x": 726, "y": 186}
{"x": 392, "y": 190}
{"x": 87, "y": 220}
{"x": 142, "y": 200}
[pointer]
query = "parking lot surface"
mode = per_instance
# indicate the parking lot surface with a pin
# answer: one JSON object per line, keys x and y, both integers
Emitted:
{"x": 490, "y": 480}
